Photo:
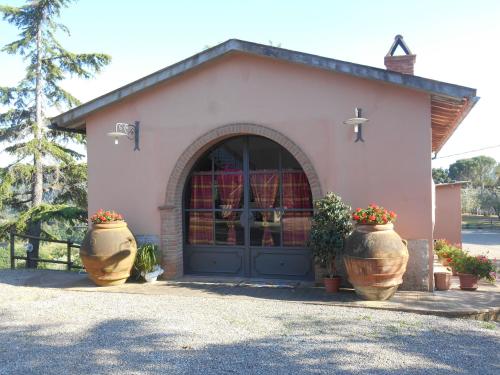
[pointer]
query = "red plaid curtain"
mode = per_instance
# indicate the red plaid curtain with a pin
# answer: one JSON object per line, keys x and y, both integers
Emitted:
{"x": 296, "y": 194}
{"x": 230, "y": 188}
{"x": 201, "y": 223}
{"x": 265, "y": 187}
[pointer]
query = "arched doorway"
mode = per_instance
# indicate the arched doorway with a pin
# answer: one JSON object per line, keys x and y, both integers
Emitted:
{"x": 247, "y": 206}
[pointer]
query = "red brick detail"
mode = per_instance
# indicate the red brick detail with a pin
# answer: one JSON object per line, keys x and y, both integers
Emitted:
{"x": 401, "y": 64}
{"x": 171, "y": 240}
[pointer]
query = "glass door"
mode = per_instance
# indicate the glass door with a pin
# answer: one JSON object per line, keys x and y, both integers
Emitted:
{"x": 248, "y": 207}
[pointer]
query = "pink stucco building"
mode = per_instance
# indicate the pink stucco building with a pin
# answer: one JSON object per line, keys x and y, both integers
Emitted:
{"x": 448, "y": 223}
{"x": 236, "y": 141}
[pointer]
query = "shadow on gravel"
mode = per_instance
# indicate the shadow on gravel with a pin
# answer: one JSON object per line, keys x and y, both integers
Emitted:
{"x": 300, "y": 294}
{"x": 133, "y": 346}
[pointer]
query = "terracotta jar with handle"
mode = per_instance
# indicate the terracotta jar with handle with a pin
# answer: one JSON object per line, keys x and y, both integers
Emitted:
{"x": 375, "y": 257}
{"x": 108, "y": 252}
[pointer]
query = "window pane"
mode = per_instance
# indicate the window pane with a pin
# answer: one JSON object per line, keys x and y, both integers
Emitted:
{"x": 228, "y": 228}
{"x": 199, "y": 191}
{"x": 204, "y": 164}
{"x": 296, "y": 190}
{"x": 263, "y": 153}
{"x": 296, "y": 228}
{"x": 229, "y": 191}
{"x": 265, "y": 228}
{"x": 264, "y": 189}
{"x": 289, "y": 162}
{"x": 228, "y": 156}
{"x": 199, "y": 228}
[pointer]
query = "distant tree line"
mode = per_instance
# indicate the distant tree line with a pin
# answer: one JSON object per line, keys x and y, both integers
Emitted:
{"x": 481, "y": 190}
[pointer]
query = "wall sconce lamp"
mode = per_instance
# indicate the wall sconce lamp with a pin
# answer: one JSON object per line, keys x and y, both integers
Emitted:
{"x": 131, "y": 131}
{"x": 358, "y": 122}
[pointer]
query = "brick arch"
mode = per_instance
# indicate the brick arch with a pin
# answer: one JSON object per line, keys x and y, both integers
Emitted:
{"x": 171, "y": 212}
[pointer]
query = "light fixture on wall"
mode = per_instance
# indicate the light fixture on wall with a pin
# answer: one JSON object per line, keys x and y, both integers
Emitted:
{"x": 358, "y": 122}
{"x": 131, "y": 131}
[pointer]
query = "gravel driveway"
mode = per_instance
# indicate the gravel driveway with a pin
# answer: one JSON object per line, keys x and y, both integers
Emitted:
{"x": 51, "y": 331}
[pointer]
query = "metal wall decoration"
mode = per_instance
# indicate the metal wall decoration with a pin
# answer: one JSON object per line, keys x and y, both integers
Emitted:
{"x": 131, "y": 131}
{"x": 358, "y": 122}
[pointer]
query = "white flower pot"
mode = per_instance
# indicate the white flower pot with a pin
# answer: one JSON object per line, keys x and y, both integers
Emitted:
{"x": 152, "y": 276}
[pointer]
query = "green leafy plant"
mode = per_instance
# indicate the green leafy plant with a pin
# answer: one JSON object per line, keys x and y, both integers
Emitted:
{"x": 446, "y": 250}
{"x": 440, "y": 245}
{"x": 146, "y": 259}
{"x": 374, "y": 214}
{"x": 479, "y": 266}
{"x": 331, "y": 224}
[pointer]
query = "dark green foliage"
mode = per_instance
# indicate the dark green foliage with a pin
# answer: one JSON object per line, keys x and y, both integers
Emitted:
{"x": 480, "y": 171}
{"x": 483, "y": 173}
{"x": 44, "y": 213}
{"x": 45, "y": 181}
{"x": 440, "y": 176}
{"x": 489, "y": 200}
{"x": 67, "y": 184}
{"x": 331, "y": 225}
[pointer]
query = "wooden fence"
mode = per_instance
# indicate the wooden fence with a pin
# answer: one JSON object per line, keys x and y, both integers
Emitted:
{"x": 69, "y": 245}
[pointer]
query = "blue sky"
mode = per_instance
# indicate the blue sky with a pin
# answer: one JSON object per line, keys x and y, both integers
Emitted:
{"x": 455, "y": 41}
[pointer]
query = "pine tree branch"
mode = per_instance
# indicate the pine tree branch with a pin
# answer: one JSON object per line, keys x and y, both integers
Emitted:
{"x": 22, "y": 125}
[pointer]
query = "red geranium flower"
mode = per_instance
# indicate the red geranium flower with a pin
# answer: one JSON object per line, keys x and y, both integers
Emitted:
{"x": 108, "y": 216}
{"x": 373, "y": 215}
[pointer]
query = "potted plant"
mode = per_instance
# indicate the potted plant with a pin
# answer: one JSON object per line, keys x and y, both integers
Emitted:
{"x": 108, "y": 249}
{"x": 446, "y": 252}
{"x": 441, "y": 248}
{"x": 330, "y": 226}
{"x": 146, "y": 262}
{"x": 375, "y": 255}
{"x": 473, "y": 268}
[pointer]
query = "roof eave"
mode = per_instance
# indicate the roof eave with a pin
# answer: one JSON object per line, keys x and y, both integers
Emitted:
{"x": 471, "y": 102}
{"x": 78, "y": 114}
{"x": 452, "y": 183}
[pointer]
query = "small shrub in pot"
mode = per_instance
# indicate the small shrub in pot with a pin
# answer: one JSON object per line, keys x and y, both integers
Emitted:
{"x": 446, "y": 252}
{"x": 331, "y": 224}
{"x": 471, "y": 269}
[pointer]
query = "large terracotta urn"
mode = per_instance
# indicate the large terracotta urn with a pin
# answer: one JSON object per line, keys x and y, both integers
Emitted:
{"x": 375, "y": 258}
{"x": 108, "y": 252}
